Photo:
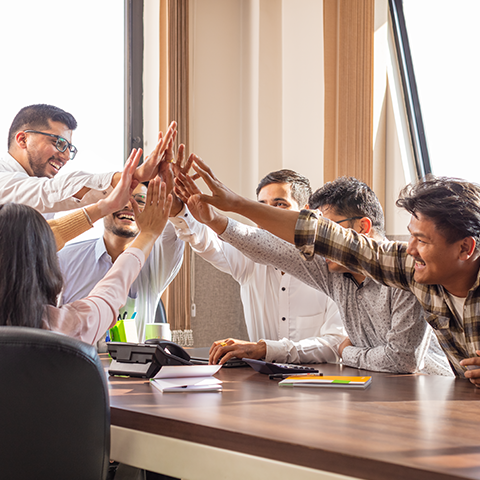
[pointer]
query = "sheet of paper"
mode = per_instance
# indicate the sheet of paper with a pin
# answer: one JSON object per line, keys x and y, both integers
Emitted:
{"x": 194, "y": 384}
{"x": 182, "y": 371}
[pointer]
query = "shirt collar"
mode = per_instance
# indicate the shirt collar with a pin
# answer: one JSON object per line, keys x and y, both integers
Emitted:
{"x": 12, "y": 162}
{"x": 101, "y": 249}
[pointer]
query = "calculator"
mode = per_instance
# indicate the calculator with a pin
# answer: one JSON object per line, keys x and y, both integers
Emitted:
{"x": 271, "y": 368}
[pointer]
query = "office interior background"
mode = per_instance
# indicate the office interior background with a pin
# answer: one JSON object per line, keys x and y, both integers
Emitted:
{"x": 381, "y": 90}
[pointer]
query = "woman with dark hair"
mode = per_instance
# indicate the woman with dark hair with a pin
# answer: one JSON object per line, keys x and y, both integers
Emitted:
{"x": 30, "y": 278}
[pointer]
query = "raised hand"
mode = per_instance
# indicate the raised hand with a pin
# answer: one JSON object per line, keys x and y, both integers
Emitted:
{"x": 165, "y": 171}
{"x": 171, "y": 167}
{"x": 278, "y": 221}
{"x": 187, "y": 190}
{"x": 152, "y": 220}
{"x": 122, "y": 192}
{"x": 222, "y": 197}
{"x": 149, "y": 168}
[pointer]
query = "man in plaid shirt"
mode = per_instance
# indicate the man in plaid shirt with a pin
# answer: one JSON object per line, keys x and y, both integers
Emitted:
{"x": 439, "y": 265}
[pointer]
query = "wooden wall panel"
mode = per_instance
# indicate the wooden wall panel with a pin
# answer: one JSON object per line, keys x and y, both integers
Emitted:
{"x": 349, "y": 30}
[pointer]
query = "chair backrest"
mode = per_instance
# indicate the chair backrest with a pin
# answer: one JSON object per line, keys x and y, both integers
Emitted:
{"x": 54, "y": 407}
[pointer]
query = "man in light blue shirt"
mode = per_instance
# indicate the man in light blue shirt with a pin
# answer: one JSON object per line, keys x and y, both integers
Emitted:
{"x": 84, "y": 264}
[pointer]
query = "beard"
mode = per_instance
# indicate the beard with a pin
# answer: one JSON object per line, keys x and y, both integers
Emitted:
{"x": 124, "y": 232}
{"x": 119, "y": 230}
{"x": 38, "y": 168}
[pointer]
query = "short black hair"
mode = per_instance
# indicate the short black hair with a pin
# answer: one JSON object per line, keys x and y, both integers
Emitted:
{"x": 350, "y": 197}
{"x": 39, "y": 116}
{"x": 452, "y": 204}
{"x": 299, "y": 185}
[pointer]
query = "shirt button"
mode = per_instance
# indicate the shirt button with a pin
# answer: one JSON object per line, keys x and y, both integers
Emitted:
{"x": 283, "y": 289}
{"x": 283, "y": 319}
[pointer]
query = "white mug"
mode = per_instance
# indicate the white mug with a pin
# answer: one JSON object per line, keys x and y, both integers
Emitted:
{"x": 158, "y": 330}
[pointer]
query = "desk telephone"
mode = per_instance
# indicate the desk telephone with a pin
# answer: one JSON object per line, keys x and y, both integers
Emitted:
{"x": 145, "y": 359}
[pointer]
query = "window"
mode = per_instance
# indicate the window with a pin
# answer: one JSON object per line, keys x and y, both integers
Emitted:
{"x": 444, "y": 38}
{"x": 69, "y": 54}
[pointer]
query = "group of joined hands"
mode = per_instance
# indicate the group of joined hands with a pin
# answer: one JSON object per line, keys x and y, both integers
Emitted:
{"x": 170, "y": 187}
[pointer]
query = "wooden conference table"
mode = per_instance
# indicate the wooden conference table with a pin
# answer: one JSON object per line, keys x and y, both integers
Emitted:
{"x": 401, "y": 427}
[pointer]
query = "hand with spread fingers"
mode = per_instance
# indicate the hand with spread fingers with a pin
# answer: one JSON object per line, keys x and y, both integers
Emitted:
{"x": 172, "y": 166}
{"x": 152, "y": 220}
{"x": 123, "y": 190}
{"x": 223, "y": 350}
{"x": 281, "y": 222}
{"x": 473, "y": 372}
{"x": 222, "y": 197}
{"x": 187, "y": 190}
{"x": 149, "y": 168}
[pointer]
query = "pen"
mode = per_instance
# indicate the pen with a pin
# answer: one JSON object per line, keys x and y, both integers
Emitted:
{"x": 134, "y": 315}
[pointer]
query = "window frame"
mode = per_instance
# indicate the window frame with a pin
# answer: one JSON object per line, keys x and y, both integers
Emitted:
{"x": 133, "y": 133}
{"x": 410, "y": 91}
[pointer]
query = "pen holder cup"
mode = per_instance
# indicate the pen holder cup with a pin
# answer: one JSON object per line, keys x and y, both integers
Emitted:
{"x": 117, "y": 332}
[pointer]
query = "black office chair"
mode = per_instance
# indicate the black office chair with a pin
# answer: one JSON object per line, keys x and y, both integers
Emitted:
{"x": 54, "y": 407}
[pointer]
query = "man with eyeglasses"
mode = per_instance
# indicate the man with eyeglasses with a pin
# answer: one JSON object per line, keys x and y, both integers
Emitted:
{"x": 384, "y": 325}
{"x": 84, "y": 264}
{"x": 39, "y": 145}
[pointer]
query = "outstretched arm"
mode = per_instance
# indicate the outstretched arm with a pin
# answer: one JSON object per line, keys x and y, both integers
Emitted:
{"x": 276, "y": 220}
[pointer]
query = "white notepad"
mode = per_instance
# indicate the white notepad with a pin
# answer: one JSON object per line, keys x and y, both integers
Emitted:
{"x": 187, "y": 378}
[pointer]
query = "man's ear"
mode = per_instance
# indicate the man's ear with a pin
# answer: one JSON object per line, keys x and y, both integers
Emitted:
{"x": 21, "y": 140}
{"x": 365, "y": 225}
{"x": 467, "y": 248}
{"x": 306, "y": 207}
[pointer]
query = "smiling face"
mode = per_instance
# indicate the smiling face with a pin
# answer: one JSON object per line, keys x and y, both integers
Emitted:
{"x": 122, "y": 223}
{"x": 278, "y": 195}
{"x": 437, "y": 262}
{"x": 42, "y": 157}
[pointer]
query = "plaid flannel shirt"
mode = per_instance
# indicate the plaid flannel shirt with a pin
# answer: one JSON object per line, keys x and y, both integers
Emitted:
{"x": 389, "y": 264}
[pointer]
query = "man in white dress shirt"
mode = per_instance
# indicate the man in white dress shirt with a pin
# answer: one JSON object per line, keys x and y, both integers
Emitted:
{"x": 84, "y": 264}
{"x": 39, "y": 145}
{"x": 287, "y": 321}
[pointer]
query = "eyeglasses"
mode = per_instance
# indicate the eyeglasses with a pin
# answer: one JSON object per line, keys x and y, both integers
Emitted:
{"x": 61, "y": 144}
{"x": 348, "y": 219}
{"x": 140, "y": 199}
